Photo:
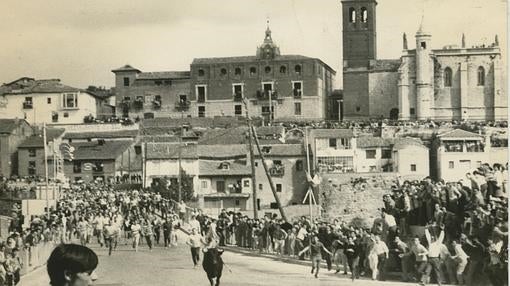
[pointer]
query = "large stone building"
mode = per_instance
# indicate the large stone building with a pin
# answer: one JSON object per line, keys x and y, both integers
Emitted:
{"x": 151, "y": 94}
{"x": 275, "y": 86}
{"x": 12, "y": 133}
{"x": 48, "y": 101}
{"x": 443, "y": 84}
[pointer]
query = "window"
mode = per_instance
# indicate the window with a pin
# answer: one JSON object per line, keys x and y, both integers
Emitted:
{"x": 370, "y": 154}
{"x": 76, "y": 167}
{"x": 237, "y": 203}
{"x": 224, "y": 166}
{"x": 358, "y": 109}
{"x": 158, "y": 82}
{"x": 54, "y": 116}
{"x": 256, "y": 164}
{"x": 201, "y": 111}
{"x": 283, "y": 69}
{"x": 238, "y": 110}
{"x": 267, "y": 86}
{"x": 454, "y": 146}
{"x": 413, "y": 167}
{"x": 253, "y": 71}
{"x": 201, "y": 72}
{"x": 246, "y": 183}
{"x": 352, "y": 15}
{"x": 98, "y": 167}
{"x": 238, "y": 90}
{"x": 278, "y": 188}
{"x": 297, "y": 108}
{"x": 266, "y": 149}
{"x": 297, "y": 88}
{"x": 223, "y": 71}
{"x": 237, "y": 71}
{"x": 465, "y": 164}
{"x": 48, "y": 100}
{"x": 481, "y": 76}
{"x": 203, "y": 184}
{"x": 66, "y": 114}
{"x": 297, "y": 69}
{"x": 183, "y": 99}
{"x": 332, "y": 142}
{"x": 447, "y": 77}
{"x": 423, "y": 45}
{"x": 31, "y": 168}
{"x": 28, "y": 103}
{"x": 126, "y": 81}
{"x": 299, "y": 165}
{"x": 32, "y": 152}
{"x": 201, "y": 93}
{"x": 386, "y": 154}
{"x": 364, "y": 15}
{"x": 168, "y": 82}
{"x": 412, "y": 111}
{"x": 260, "y": 187}
{"x": 341, "y": 164}
{"x": 451, "y": 165}
{"x": 138, "y": 150}
{"x": 267, "y": 69}
{"x": 70, "y": 100}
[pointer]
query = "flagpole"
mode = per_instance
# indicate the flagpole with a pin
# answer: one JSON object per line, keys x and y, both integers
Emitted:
{"x": 46, "y": 169}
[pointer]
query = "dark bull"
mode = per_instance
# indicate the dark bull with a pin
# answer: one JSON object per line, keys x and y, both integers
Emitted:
{"x": 213, "y": 264}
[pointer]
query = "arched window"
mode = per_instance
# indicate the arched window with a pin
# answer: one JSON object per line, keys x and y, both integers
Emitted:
{"x": 283, "y": 69}
{"x": 364, "y": 15}
{"x": 201, "y": 72}
{"x": 481, "y": 76}
{"x": 447, "y": 77}
{"x": 223, "y": 71}
{"x": 297, "y": 69}
{"x": 267, "y": 69}
{"x": 352, "y": 15}
{"x": 253, "y": 70}
{"x": 237, "y": 71}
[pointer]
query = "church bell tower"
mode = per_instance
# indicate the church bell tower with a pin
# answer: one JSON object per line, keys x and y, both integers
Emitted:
{"x": 359, "y": 32}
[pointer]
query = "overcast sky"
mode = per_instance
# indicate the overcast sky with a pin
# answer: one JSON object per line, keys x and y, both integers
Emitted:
{"x": 80, "y": 42}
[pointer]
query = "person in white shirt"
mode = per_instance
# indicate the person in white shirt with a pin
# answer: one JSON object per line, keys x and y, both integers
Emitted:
{"x": 461, "y": 258}
{"x": 135, "y": 231}
{"x": 195, "y": 241}
{"x": 434, "y": 251}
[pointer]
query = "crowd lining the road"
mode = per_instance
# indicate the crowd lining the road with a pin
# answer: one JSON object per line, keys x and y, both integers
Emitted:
{"x": 464, "y": 222}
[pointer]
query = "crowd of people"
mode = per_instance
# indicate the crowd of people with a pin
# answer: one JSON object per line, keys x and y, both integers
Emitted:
{"x": 452, "y": 229}
{"x": 449, "y": 229}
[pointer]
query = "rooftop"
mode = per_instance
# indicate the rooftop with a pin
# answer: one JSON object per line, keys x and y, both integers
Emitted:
{"x": 7, "y": 126}
{"x": 281, "y": 150}
{"x": 36, "y": 141}
{"x": 161, "y": 151}
{"x": 331, "y": 133}
{"x": 102, "y": 135}
{"x": 459, "y": 134}
{"x": 27, "y": 85}
{"x": 213, "y": 168}
{"x": 109, "y": 150}
{"x": 125, "y": 68}
{"x": 222, "y": 151}
{"x": 163, "y": 75}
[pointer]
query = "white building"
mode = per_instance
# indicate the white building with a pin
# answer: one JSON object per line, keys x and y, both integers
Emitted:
{"x": 46, "y": 101}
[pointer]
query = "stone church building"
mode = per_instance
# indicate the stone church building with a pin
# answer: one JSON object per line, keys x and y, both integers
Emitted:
{"x": 451, "y": 83}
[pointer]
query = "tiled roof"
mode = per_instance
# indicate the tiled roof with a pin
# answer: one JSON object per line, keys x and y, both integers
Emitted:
{"x": 237, "y": 135}
{"x": 161, "y": 151}
{"x": 7, "y": 126}
{"x": 125, "y": 68}
{"x": 331, "y": 133}
{"x": 212, "y": 168}
{"x": 163, "y": 75}
{"x": 222, "y": 151}
{"x": 458, "y": 134}
{"x": 270, "y": 130}
{"x": 386, "y": 65}
{"x": 36, "y": 141}
{"x": 102, "y": 135}
{"x": 110, "y": 150}
{"x": 398, "y": 143}
{"x": 243, "y": 59}
{"x": 195, "y": 122}
{"x": 282, "y": 150}
{"x": 38, "y": 86}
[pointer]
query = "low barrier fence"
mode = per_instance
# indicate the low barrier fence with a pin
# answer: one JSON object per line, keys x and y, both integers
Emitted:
{"x": 36, "y": 256}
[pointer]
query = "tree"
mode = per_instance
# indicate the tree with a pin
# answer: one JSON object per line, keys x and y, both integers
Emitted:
{"x": 169, "y": 188}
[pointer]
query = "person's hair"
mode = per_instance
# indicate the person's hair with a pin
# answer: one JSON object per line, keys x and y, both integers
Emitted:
{"x": 71, "y": 258}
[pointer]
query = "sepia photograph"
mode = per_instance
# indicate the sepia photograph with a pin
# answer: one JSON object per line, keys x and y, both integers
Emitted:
{"x": 254, "y": 142}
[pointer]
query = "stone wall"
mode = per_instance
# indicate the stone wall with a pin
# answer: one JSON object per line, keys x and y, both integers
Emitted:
{"x": 340, "y": 198}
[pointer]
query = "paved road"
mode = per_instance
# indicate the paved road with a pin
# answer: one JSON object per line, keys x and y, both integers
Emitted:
{"x": 174, "y": 267}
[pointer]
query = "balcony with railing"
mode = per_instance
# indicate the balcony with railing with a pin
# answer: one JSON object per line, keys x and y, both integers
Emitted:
{"x": 277, "y": 171}
{"x": 265, "y": 94}
{"x": 182, "y": 105}
{"x": 297, "y": 92}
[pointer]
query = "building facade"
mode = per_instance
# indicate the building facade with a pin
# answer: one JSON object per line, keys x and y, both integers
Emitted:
{"x": 151, "y": 94}
{"x": 275, "y": 86}
{"x": 47, "y": 101}
{"x": 12, "y": 134}
{"x": 451, "y": 83}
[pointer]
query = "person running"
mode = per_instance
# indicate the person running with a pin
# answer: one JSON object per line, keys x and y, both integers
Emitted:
{"x": 195, "y": 241}
{"x": 315, "y": 248}
{"x": 167, "y": 231}
{"x": 110, "y": 232}
{"x": 352, "y": 252}
{"x": 135, "y": 232}
{"x": 148, "y": 233}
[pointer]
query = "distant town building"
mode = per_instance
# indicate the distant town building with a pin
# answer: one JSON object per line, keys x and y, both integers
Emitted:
{"x": 12, "y": 133}
{"x": 31, "y": 153}
{"x": 48, "y": 101}
{"x": 152, "y": 94}
{"x": 275, "y": 86}
{"x": 451, "y": 83}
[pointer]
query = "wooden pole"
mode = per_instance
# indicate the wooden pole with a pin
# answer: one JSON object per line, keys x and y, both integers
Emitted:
{"x": 46, "y": 170}
{"x": 252, "y": 163}
{"x": 266, "y": 169}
